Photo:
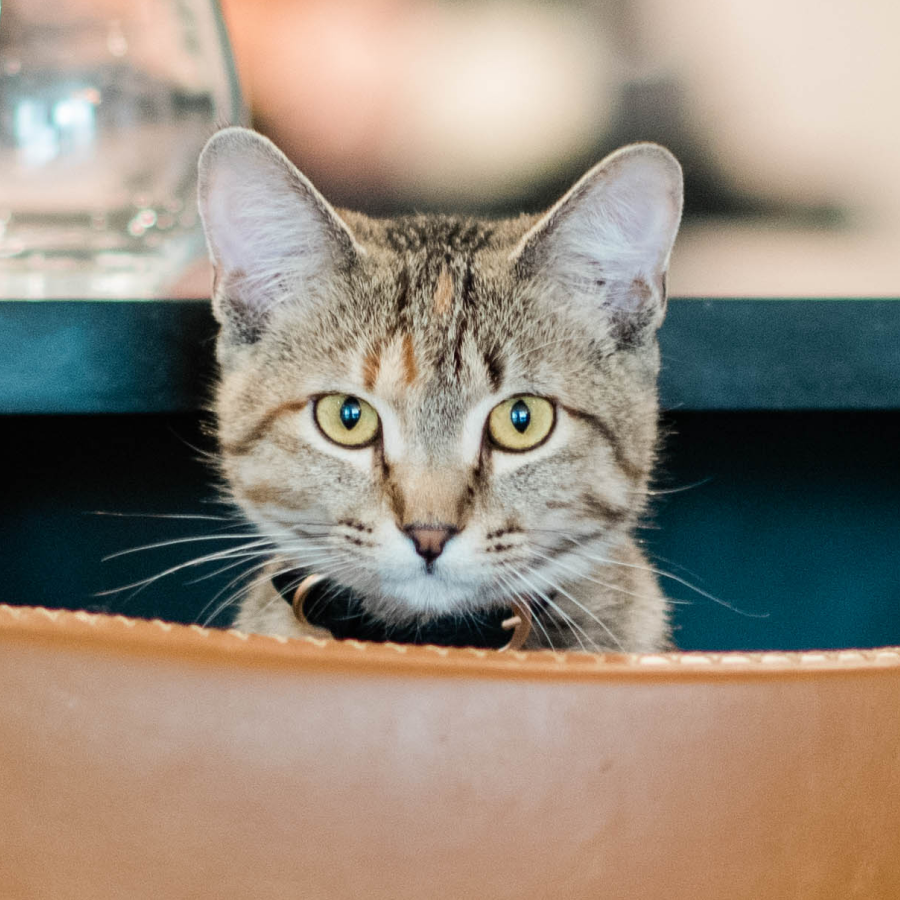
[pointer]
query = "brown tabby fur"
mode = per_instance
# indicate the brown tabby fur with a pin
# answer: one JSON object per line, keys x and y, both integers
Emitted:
{"x": 435, "y": 320}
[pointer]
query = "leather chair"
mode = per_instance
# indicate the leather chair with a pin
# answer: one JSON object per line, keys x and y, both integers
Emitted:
{"x": 147, "y": 760}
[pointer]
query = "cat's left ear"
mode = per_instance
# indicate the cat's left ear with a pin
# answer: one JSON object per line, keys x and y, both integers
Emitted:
{"x": 272, "y": 237}
{"x": 605, "y": 245}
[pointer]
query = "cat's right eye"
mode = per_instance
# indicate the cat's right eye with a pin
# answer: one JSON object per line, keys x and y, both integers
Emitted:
{"x": 346, "y": 420}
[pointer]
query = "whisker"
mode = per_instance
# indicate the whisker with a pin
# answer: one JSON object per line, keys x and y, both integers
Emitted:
{"x": 661, "y": 492}
{"x": 231, "y": 598}
{"x": 663, "y": 574}
{"x": 581, "y": 606}
{"x": 223, "y": 569}
{"x": 176, "y": 541}
{"x": 189, "y": 516}
{"x": 567, "y": 619}
{"x": 535, "y": 614}
{"x": 612, "y": 587}
{"x": 211, "y": 557}
{"x": 320, "y": 564}
{"x": 251, "y": 585}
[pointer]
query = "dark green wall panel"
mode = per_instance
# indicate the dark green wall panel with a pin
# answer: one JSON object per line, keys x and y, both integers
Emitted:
{"x": 792, "y": 518}
{"x": 157, "y": 356}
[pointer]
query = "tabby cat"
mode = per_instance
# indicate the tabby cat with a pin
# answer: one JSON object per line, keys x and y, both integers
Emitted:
{"x": 443, "y": 416}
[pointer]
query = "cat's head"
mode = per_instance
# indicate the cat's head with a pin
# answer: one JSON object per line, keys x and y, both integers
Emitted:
{"x": 438, "y": 412}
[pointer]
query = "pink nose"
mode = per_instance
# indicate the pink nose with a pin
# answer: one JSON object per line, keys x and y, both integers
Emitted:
{"x": 430, "y": 539}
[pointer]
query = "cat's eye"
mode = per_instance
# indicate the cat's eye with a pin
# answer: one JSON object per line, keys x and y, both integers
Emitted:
{"x": 346, "y": 420}
{"x": 521, "y": 423}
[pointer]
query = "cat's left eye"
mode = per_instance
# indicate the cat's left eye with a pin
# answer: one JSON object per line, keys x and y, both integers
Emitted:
{"x": 521, "y": 423}
{"x": 346, "y": 420}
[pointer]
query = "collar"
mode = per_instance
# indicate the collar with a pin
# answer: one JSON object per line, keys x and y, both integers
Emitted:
{"x": 322, "y": 604}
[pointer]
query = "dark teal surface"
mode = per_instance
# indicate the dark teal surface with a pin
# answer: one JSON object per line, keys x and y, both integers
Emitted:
{"x": 156, "y": 355}
{"x": 791, "y": 516}
{"x": 794, "y": 517}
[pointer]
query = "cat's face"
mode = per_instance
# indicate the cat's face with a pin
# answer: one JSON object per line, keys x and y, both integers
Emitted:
{"x": 438, "y": 412}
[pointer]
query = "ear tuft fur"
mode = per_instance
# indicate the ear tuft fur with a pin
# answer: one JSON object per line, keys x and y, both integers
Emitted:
{"x": 606, "y": 244}
{"x": 271, "y": 235}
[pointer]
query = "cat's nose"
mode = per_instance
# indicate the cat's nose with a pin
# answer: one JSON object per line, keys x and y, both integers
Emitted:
{"x": 430, "y": 539}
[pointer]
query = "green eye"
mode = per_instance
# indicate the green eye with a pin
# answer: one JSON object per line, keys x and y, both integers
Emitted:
{"x": 346, "y": 420}
{"x": 521, "y": 423}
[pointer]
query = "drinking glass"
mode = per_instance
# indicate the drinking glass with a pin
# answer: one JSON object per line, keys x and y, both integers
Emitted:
{"x": 104, "y": 107}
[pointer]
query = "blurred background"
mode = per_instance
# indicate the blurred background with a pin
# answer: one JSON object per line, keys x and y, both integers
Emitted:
{"x": 782, "y": 112}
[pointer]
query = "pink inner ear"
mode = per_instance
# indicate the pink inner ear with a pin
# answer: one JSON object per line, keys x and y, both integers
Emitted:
{"x": 611, "y": 236}
{"x": 606, "y": 244}
{"x": 229, "y": 247}
{"x": 627, "y": 218}
{"x": 256, "y": 218}
{"x": 268, "y": 231}
{"x": 272, "y": 236}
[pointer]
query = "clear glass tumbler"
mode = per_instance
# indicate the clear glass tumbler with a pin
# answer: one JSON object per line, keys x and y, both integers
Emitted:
{"x": 104, "y": 106}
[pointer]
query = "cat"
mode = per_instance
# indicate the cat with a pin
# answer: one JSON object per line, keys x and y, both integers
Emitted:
{"x": 447, "y": 418}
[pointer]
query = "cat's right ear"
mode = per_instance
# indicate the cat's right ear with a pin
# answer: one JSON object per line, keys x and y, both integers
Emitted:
{"x": 272, "y": 237}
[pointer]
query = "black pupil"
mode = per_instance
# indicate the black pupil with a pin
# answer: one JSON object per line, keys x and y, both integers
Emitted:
{"x": 350, "y": 412}
{"x": 520, "y": 416}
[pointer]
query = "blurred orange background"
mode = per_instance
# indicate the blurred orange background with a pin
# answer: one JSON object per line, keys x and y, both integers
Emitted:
{"x": 783, "y": 113}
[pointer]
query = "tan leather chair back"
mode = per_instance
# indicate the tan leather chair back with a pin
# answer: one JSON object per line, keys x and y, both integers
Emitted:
{"x": 145, "y": 760}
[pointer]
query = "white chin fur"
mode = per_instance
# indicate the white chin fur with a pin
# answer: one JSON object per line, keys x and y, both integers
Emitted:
{"x": 456, "y": 581}
{"x": 434, "y": 593}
